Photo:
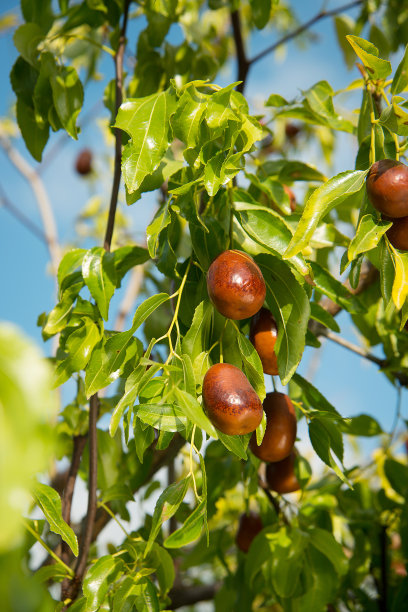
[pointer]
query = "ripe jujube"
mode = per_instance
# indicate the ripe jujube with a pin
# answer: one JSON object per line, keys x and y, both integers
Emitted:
{"x": 249, "y": 526}
{"x": 230, "y": 401}
{"x": 387, "y": 187}
{"x": 235, "y": 285}
{"x": 281, "y": 427}
{"x": 83, "y": 164}
{"x": 398, "y": 233}
{"x": 281, "y": 477}
{"x": 291, "y": 196}
{"x": 263, "y": 334}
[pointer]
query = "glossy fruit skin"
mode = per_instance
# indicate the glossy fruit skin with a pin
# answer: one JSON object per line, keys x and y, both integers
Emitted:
{"x": 235, "y": 285}
{"x": 230, "y": 401}
{"x": 291, "y": 196}
{"x": 398, "y": 233}
{"x": 83, "y": 164}
{"x": 280, "y": 476}
{"x": 249, "y": 527}
{"x": 263, "y": 334}
{"x": 387, "y": 188}
{"x": 281, "y": 427}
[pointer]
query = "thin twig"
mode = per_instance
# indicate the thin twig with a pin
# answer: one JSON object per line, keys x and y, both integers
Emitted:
{"x": 41, "y": 196}
{"x": 243, "y": 63}
{"x": 321, "y": 15}
{"x": 359, "y": 350}
{"x": 118, "y": 137}
{"x": 21, "y": 217}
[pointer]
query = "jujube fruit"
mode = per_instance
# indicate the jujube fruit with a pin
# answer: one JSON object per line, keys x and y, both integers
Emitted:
{"x": 263, "y": 334}
{"x": 235, "y": 285}
{"x": 249, "y": 527}
{"x": 398, "y": 233}
{"x": 281, "y": 477}
{"x": 281, "y": 427}
{"x": 387, "y": 187}
{"x": 83, "y": 164}
{"x": 230, "y": 401}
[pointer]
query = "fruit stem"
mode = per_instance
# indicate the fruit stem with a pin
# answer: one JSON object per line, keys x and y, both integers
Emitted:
{"x": 231, "y": 224}
{"x": 273, "y": 383}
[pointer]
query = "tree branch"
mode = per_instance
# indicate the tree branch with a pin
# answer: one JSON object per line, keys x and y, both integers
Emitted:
{"x": 118, "y": 138}
{"x": 189, "y": 595}
{"x": 21, "y": 217}
{"x": 41, "y": 196}
{"x": 243, "y": 64}
{"x": 322, "y": 15}
{"x": 359, "y": 350}
{"x": 382, "y": 603}
{"x": 74, "y": 585}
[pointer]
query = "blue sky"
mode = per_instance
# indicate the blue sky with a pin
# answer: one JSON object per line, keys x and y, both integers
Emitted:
{"x": 350, "y": 383}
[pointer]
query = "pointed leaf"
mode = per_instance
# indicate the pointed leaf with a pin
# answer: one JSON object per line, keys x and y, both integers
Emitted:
{"x": 194, "y": 412}
{"x": 98, "y": 270}
{"x": 190, "y": 530}
{"x": 400, "y": 80}
{"x": 50, "y": 503}
{"x": 367, "y": 236}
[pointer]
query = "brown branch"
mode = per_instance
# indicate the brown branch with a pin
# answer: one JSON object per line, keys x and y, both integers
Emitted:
{"x": 41, "y": 196}
{"x": 322, "y": 15}
{"x": 359, "y": 350}
{"x": 72, "y": 589}
{"x": 183, "y": 595}
{"x": 118, "y": 138}
{"x": 243, "y": 63}
{"x": 382, "y": 602}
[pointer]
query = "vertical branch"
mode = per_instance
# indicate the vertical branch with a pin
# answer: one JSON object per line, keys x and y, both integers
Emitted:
{"x": 382, "y": 603}
{"x": 118, "y": 138}
{"x": 243, "y": 63}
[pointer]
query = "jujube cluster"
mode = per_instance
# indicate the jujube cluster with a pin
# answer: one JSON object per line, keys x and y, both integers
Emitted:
{"x": 387, "y": 190}
{"x": 263, "y": 335}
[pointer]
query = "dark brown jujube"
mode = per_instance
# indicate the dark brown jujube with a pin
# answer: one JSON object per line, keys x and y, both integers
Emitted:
{"x": 235, "y": 285}
{"x": 387, "y": 187}
{"x": 281, "y": 477}
{"x": 83, "y": 164}
{"x": 281, "y": 427}
{"x": 263, "y": 334}
{"x": 398, "y": 233}
{"x": 230, "y": 401}
{"x": 249, "y": 527}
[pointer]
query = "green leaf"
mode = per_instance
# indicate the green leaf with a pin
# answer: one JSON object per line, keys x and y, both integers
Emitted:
{"x": 400, "y": 80}
{"x": 50, "y": 503}
{"x": 165, "y": 417}
{"x": 71, "y": 261}
{"x": 400, "y": 285}
{"x": 235, "y": 444}
{"x": 147, "y": 121}
{"x": 79, "y": 347}
{"x": 313, "y": 396}
{"x": 318, "y": 313}
{"x": 98, "y": 579}
{"x": 196, "y": 339}
{"x": 190, "y": 530}
{"x": 98, "y": 270}
{"x": 326, "y": 438}
{"x": 361, "y": 425}
{"x": 252, "y": 365}
{"x": 270, "y": 230}
{"x": 128, "y": 257}
{"x": 166, "y": 507}
{"x": 376, "y": 67}
{"x": 330, "y": 286}
{"x": 368, "y": 234}
{"x": 386, "y": 272}
{"x": 344, "y": 25}
{"x": 397, "y": 475}
{"x": 322, "y": 201}
{"x": 325, "y": 542}
{"x": 261, "y": 10}
{"x": 26, "y": 39}
{"x": 289, "y": 304}
{"x": 194, "y": 412}
{"x": 189, "y": 115}
{"x": 68, "y": 97}
{"x": 319, "y": 99}
{"x": 144, "y": 436}
{"x": 59, "y": 315}
{"x": 35, "y": 133}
